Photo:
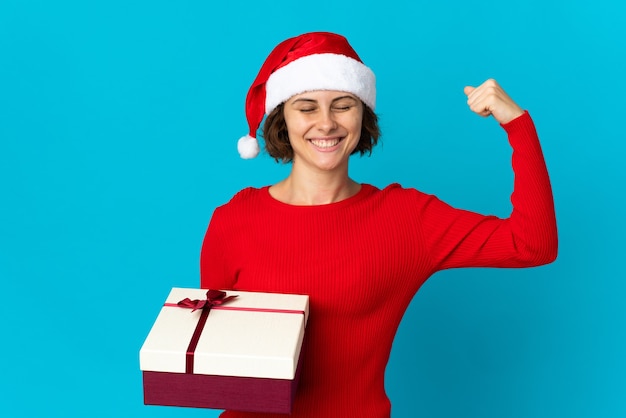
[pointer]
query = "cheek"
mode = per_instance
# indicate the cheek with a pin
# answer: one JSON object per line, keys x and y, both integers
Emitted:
{"x": 357, "y": 122}
{"x": 356, "y": 125}
{"x": 295, "y": 126}
{"x": 294, "y": 130}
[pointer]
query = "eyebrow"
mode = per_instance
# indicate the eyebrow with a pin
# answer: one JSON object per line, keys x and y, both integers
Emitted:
{"x": 305, "y": 99}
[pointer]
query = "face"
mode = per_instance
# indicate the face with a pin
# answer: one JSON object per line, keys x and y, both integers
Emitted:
{"x": 324, "y": 128}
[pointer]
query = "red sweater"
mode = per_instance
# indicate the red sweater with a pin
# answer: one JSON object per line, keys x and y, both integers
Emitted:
{"x": 361, "y": 261}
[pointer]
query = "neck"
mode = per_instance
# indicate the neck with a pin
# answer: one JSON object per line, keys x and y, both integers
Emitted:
{"x": 320, "y": 189}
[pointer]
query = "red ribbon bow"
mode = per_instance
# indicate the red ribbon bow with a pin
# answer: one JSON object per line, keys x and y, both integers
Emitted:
{"x": 213, "y": 298}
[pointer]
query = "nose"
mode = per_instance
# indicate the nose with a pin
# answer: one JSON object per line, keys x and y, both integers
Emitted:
{"x": 326, "y": 122}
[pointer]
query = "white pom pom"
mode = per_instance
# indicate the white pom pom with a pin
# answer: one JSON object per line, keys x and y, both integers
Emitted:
{"x": 248, "y": 147}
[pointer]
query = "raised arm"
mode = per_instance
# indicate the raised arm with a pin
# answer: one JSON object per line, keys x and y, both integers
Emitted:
{"x": 528, "y": 237}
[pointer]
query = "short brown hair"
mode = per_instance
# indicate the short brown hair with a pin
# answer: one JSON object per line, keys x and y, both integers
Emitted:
{"x": 277, "y": 139}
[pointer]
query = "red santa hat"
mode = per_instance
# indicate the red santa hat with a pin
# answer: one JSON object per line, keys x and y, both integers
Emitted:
{"x": 312, "y": 61}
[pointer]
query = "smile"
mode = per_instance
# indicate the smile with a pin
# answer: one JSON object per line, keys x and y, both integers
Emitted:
{"x": 325, "y": 142}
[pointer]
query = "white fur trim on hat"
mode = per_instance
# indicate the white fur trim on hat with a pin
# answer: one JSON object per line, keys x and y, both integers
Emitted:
{"x": 320, "y": 72}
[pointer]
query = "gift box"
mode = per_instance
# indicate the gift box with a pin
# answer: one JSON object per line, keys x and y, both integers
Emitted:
{"x": 225, "y": 350}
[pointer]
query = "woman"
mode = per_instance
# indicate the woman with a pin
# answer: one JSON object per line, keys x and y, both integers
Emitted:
{"x": 359, "y": 252}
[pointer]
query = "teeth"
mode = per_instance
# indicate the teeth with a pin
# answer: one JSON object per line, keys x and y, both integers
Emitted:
{"x": 325, "y": 143}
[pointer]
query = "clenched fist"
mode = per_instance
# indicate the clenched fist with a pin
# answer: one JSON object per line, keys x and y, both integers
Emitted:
{"x": 489, "y": 99}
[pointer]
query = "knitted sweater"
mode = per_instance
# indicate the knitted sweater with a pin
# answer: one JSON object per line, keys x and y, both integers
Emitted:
{"x": 361, "y": 261}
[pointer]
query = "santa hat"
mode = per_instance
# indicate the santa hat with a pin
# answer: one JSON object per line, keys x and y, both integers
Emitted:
{"x": 313, "y": 61}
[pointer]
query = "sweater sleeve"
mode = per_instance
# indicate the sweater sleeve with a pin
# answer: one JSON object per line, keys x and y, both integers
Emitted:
{"x": 214, "y": 273}
{"x": 528, "y": 237}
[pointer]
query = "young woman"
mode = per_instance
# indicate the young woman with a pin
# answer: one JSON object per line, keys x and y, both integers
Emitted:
{"x": 360, "y": 253}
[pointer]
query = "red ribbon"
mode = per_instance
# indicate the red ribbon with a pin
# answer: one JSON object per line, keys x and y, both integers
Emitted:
{"x": 213, "y": 298}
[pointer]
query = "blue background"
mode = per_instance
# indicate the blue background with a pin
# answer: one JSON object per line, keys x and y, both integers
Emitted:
{"x": 118, "y": 125}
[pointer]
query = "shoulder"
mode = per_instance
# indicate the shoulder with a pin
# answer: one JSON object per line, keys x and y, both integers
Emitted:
{"x": 242, "y": 203}
{"x": 393, "y": 190}
{"x": 247, "y": 195}
{"x": 396, "y": 196}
